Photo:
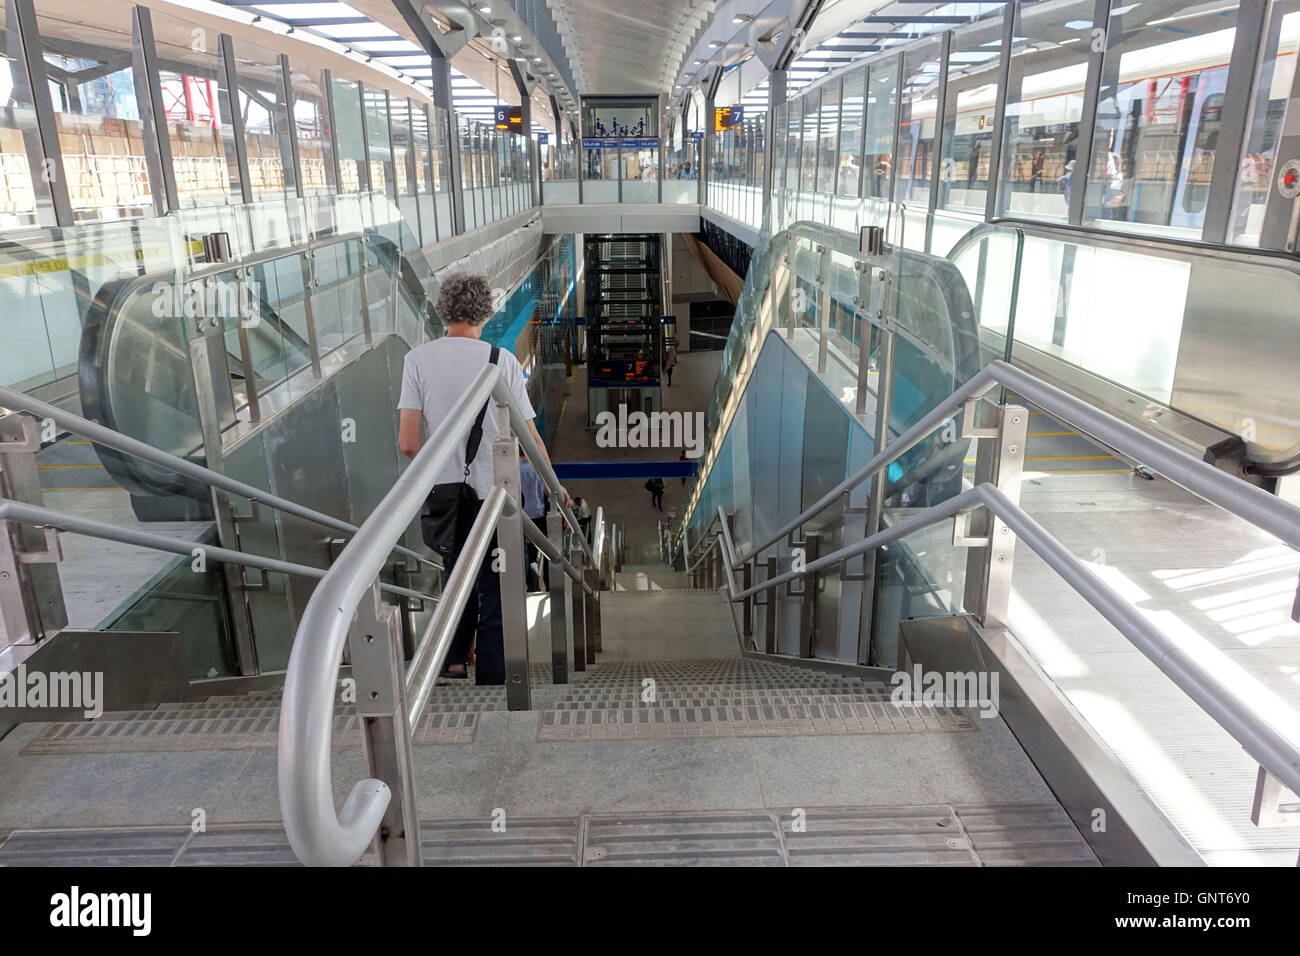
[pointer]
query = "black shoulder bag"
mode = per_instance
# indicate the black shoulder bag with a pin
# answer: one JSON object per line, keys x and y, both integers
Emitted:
{"x": 451, "y": 508}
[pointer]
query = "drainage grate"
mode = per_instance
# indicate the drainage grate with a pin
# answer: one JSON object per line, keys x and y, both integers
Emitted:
{"x": 168, "y": 734}
{"x": 754, "y": 720}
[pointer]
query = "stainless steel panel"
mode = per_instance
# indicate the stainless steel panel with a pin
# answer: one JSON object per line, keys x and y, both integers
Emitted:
{"x": 1239, "y": 356}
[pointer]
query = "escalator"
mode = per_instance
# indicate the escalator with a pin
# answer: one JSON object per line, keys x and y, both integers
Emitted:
{"x": 272, "y": 323}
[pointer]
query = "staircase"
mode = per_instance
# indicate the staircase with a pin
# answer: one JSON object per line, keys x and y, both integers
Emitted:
{"x": 657, "y": 759}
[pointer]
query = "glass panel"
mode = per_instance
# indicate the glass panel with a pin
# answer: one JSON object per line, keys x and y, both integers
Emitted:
{"x": 266, "y": 121}
{"x": 191, "y": 72}
{"x": 827, "y": 156}
{"x": 97, "y": 111}
{"x": 641, "y": 175}
{"x": 24, "y": 192}
{"x": 1049, "y": 68}
{"x": 916, "y": 134}
{"x": 346, "y": 96}
{"x": 808, "y": 143}
{"x": 377, "y": 133}
{"x": 312, "y": 127}
{"x": 1158, "y": 114}
{"x": 794, "y": 137}
{"x": 599, "y": 175}
{"x": 849, "y": 179}
{"x": 1273, "y": 90}
{"x": 968, "y": 116}
{"x": 878, "y": 145}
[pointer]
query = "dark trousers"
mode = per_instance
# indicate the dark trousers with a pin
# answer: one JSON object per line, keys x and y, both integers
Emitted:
{"x": 531, "y": 555}
{"x": 481, "y": 618}
{"x": 657, "y": 500}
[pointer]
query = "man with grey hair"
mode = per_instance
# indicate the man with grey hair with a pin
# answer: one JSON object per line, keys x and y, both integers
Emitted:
{"x": 435, "y": 377}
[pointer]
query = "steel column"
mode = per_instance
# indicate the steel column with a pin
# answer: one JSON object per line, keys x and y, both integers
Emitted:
{"x": 557, "y": 577}
{"x": 999, "y": 461}
{"x": 230, "y": 77}
{"x": 33, "y": 55}
{"x": 1009, "y": 14}
{"x": 510, "y": 556}
{"x": 374, "y": 643}
{"x": 578, "y": 596}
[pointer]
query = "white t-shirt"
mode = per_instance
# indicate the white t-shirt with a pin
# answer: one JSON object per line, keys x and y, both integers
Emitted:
{"x": 438, "y": 374}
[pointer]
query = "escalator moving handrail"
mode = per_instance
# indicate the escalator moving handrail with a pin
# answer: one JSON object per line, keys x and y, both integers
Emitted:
{"x": 1246, "y": 501}
{"x": 100, "y": 435}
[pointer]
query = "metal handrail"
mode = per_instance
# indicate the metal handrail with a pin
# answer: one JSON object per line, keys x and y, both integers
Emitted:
{"x": 319, "y": 834}
{"x": 1233, "y": 495}
{"x": 1275, "y": 748}
{"x": 554, "y": 555}
{"x": 40, "y": 517}
{"x": 102, "y": 435}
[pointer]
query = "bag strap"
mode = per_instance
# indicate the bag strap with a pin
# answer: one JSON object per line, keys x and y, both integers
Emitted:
{"x": 476, "y": 432}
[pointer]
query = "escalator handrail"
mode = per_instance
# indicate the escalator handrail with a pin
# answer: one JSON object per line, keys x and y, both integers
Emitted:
{"x": 1248, "y": 502}
{"x": 109, "y": 438}
{"x": 840, "y": 241}
{"x": 1164, "y": 248}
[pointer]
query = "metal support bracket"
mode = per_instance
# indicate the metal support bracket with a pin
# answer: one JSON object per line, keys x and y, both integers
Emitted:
{"x": 53, "y": 552}
{"x": 263, "y": 585}
{"x": 253, "y": 515}
{"x": 968, "y": 427}
{"x": 31, "y": 440}
{"x": 1274, "y": 805}
{"x": 961, "y": 536}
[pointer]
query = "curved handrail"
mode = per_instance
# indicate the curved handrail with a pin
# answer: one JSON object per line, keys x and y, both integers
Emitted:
{"x": 319, "y": 835}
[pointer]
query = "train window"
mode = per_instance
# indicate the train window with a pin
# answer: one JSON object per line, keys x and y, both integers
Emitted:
{"x": 878, "y": 141}
{"x": 97, "y": 110}
{"x": 1158, "y": 115}
{"x": 1268, "y": 111}
{"x": 972, "y": 94}
{"x": 1047, "y": 74}
{"x": 1197, "y": 188}
{"x": 202, "y": 140}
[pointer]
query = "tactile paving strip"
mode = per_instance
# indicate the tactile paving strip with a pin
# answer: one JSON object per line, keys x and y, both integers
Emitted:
{"x": 993, "y": 835}
{"x": 221, "y": 733}
{"x": 753, "y": 720}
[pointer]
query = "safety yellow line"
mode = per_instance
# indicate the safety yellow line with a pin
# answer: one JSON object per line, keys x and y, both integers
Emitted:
{"x": 77, "y": 443}
{"x": 1072, "y": 458}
